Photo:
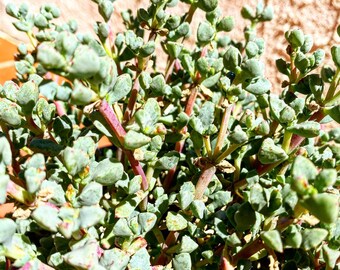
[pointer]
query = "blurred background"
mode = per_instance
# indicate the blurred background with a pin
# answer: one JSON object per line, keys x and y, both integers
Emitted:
{"x": 318, "y": 18}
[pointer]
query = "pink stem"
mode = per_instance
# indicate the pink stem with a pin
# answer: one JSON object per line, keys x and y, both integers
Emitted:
{"x": 132, "y": 100}
{"x": 60, "y": 108}
{"x": 137, "y": 169}
{"x": 109, "y": 115}
{"x": 179, "y": 145}
{"x": 204, "y": 180}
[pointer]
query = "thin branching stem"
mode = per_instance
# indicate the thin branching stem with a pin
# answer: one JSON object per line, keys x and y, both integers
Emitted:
{"x": 109, "y": 115}
{"x": 335, "y": 82}
{"x": 223, "y": 130}
{"x": 286, "y": 141}
{"x": 180, "y": 144}
{"x": 202, "y": 184}
{"x": 207, "y": 145}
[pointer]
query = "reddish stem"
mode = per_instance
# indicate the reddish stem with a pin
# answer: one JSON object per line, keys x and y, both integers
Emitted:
{"x": 8, "y": 264}
{"x": 60, "y": 108}
{"x": 170, "y": 240}
{"x": 248, "y": 251}
{"x": 137, "y": 168}
{"x": 225, "y": 264}
{"x": 180, "y": 144}
{"x": 204, "y": 180}
{"x": 132, "y": 100}
{"x": 109, "y": 115}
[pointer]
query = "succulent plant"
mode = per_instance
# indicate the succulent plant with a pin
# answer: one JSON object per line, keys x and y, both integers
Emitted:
{"x": 206, "y": 167}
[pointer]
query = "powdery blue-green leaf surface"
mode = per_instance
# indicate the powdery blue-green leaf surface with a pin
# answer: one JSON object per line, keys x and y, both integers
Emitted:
{"x": 114, "y": 259}
{"x": 182, "y": 262}
{"x": 140, "y": 260}
{"x": 175, "y": 222}
{"x": 271, "y": 153}
{"x": 108, "y": 171}
{"x": 8, "y": 228}
{"x": 148, "y": 116}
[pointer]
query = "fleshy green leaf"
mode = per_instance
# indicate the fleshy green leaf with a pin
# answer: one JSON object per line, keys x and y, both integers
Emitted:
{"x": 308, "y": 129}
{"x": 108, "y": 171}
{"x": 121, "y": 89}
{"x": 175, "y": 221}
{"x": 47, "y": 217}
{"x": 271, "y": 153}
{"x": 7, "y": 229}
{"x": 311, "y": 238}
{"x": 134, "y": 140}
{"x": 182, "y": 262}
{"x": 324, "y": 206}
{"x": 186, "y": 195}
{"x": 80, "y": 67}
{"x": 205, "y": 32}
{"x": 273, "y": 240}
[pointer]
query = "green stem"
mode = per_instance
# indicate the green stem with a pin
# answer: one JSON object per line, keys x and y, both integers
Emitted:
{"x": 293, "y": 73}
{"x": 333, "y": 100}
{"x": 33, "y": 127}
{"x": 261, "y": 170}
{"x": 170, "y": 240}
{"x": 204, "y": 180}
{"x": 149, "y": 174}
{"x": 237, "y": 163}
{"x": 264, "y": 114}
{"x": 227, "y": 152}
{"x": 31, "y": 38}
{"x": 202, "y": 263}
{"x": 168, "y": 68}
{"x": 158, "y": 234}
{"x": 333, "y": 86}
{"x": 284, "y": 168}
{"x": 108, "y": 50}
{"x": 207, "y": 145}
{"x": 287, "y": 137}
{"x": 223, "y": 131}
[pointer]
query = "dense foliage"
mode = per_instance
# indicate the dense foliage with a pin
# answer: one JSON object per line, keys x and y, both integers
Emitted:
{"x": 207, "y": 168}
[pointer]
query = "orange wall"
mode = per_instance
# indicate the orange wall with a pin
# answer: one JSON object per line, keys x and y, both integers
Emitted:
{"x": 7, "y": 51}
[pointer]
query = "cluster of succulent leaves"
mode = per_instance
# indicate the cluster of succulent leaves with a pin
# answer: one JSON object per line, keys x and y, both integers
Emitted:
{"x": 208, "y": 168}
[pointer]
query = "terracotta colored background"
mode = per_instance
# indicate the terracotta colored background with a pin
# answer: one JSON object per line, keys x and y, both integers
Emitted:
{"x": 316, "y": 17}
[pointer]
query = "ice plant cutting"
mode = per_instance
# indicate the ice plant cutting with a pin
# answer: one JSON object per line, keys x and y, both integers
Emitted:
{"x": 206, "y": 168}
